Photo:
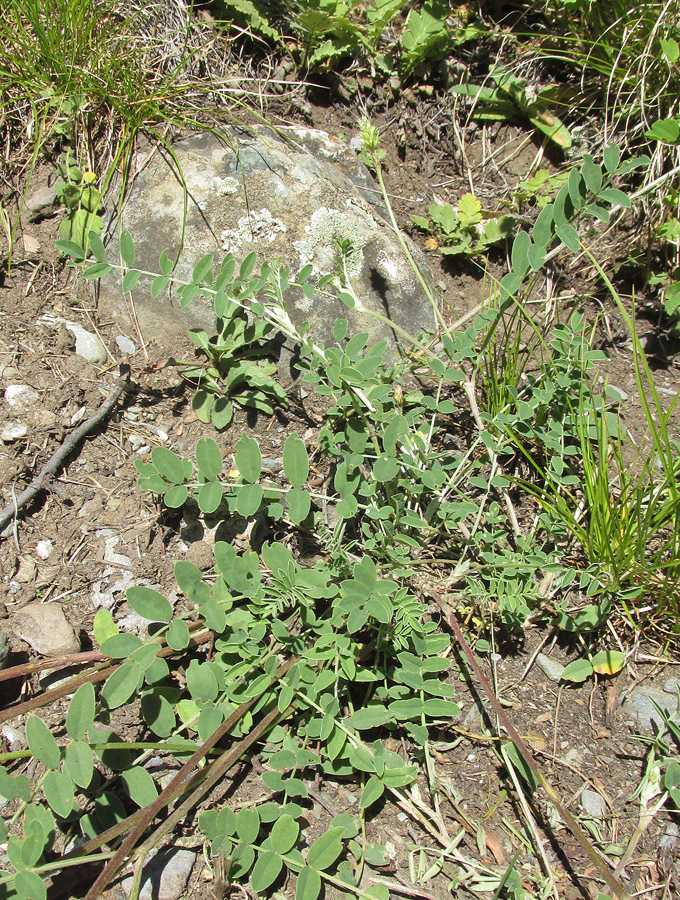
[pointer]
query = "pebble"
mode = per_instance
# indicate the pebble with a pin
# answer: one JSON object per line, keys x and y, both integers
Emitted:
{"x": 13, "y": 431}
{"x": 165, "y": 876}
{"x": 19, "y": 396}
{"x": 44, "y": 549}
{"x": 88, "y": 345}
{"x": 550, "y": 667}
{"x": 593, "y": 803}
{"x": 671, "y": 686}
{"x": 27, "y": 570}
{"x": 15, "y": 737}
{"x": 45, "y": 627}
{"x": 641, "y": 710}
{"x": 40, "y": 203}
{"x": 125, "y": 345}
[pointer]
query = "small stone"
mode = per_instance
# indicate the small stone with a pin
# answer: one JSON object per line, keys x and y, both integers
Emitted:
{"x": 31, "y": 246}
{"x": 165, "y": 876}
{"x": 44, "y": 549}
{"x": 65, "y": 342}
{"x": 671, "y": 686}
{"x": 40, "y": 203}
{"x": 593, "y": 803}
{"x": 125, "y": 345}
{"x": 45, "y": 627}
{"x": 550, "y": 667}
{"x": 87, "y": 345}
{"x": 19, "y": 396}
{"x": 15, "y": 737}
{"x": 27, "y": 570}
{"x": 14, "y": 588}
{"x": 13, "y": 431}
{"x": 640, "y": 708}
{"x": 136, "y": 440}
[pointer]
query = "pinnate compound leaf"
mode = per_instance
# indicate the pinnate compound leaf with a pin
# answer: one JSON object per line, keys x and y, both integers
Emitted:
{"x": 325, "y": 849}
{"x": 295, "y": 460}
{"x": 149, "y": 604}
{"x": 266, "y": 870}
{"x": 80, "y": 715}
{"x": 41, "y": 742}
{"x": 308, "y": 884}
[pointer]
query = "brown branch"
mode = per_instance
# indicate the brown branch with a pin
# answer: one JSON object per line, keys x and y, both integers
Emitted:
{"x": 58, "y": 458}
{"x": 58, "y": 662}
{"x": 526, "y": 755}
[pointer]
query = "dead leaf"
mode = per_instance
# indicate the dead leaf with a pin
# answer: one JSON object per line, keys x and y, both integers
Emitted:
{"x": 494, "y": 845}
{"x": 431, "y": 243}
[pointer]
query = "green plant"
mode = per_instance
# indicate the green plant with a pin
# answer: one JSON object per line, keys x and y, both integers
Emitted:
{"x": 511, "y": 99}
{"x": 82, "y": 200}
{"x": 464, "y": 230}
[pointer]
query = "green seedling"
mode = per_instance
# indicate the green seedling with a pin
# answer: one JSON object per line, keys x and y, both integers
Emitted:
{"x": 511, "y": 100}
{"x": 464, "y": 230}
{"x": 82, "y": 201}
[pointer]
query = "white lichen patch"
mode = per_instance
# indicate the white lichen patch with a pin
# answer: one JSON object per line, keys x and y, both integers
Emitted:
{"x": 396, "y": 269}
{"x": 257, "y": 228}
{"x": 223, "y": 187}
{"x": 327, "y": 226}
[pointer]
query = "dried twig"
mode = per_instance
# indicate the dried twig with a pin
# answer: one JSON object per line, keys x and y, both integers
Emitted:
{"x": 58, "y": 458}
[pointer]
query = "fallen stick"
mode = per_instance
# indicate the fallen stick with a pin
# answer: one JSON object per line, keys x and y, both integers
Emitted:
{"x": 57, "y": 459}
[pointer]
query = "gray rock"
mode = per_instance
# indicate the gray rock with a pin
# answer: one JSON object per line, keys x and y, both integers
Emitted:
{"x": 641, "y": 710}
{"x": 291, "y": 194}
{"x": 87, "y": 345}
{"x": 125, "y": 345}
{"x": 165, "y": 876}
{"x": 593, "y": 803}
{"x": 40, "y": 203}
{"x": 13, "y": 431}
{"x": 45, "y": 627}
{"x": 671, "y": 685}
{"x": 4, "y": 649}
{"x": 20, "y": 396}
{"x": 550, "y": 667}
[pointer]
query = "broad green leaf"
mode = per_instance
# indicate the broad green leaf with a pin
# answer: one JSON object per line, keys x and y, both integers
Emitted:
{"x": 33, "y": 844}
{"x": 130, "y": 280}
{"x": 189, "y": 578}
{"x": 248, "y": 500}
{"x": 127, "y": 249}
{"x": 385, "y": 468}
{"x": 202, "y": 267}
{"x": 608, "y": 662}
{"x": 592, "y": 175}
{"x": 104, "y": 626}
{"x": 569, "y": 236}
{"x": 441, "y": 709}
{"x": 98, "y": 270}
{"x": 120, "y": 646}
{"x": 299, "y": 505}
{"x": 248, "y": 825}
{"x": 208, "y": 458}
{"x": 295, "y": 460}
{"x": 59, "y": 793}
{"x": 308, "y": 885}
{"x": 14, "y": 787}
{"x": 265, "y": 871}
{"x": 122, "y": 684}
{"x": 202, "y": 404}
{"x": 247, "y": 265}
{"x": 221, "y": 413}
{"x": 29, "y": 886}
{"x": 577, "y": 671}
{"x": 176, "y": 497}
{"x": 520, "y": 254}
{"x": 165, "y": 264}
{"x": 373, "y": 791}
{"x": 70, "y": 248}
{"x": 168, "y": 465}
{"x": 665, "y": 130}
{"x": 97, "y": 248}
{"x": 201, "y": 681}
{"x": 284, "y": 834}
{"x": 41, "y": 742}
{"x": 611, "y": 157}
{"x": 139, "y": 785}
{"x": 80, "y": 715}
{"x": 159, "y": 714}
{"x": 158, "y": 285}
{"x": 79, "y": 762}
{"x": 178, "y": 635}
{"x": 149, "y": 604}
{"x": 325, "y": 849}
{"x": 209, "y": 497}
{"x": 248, "y": 458}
